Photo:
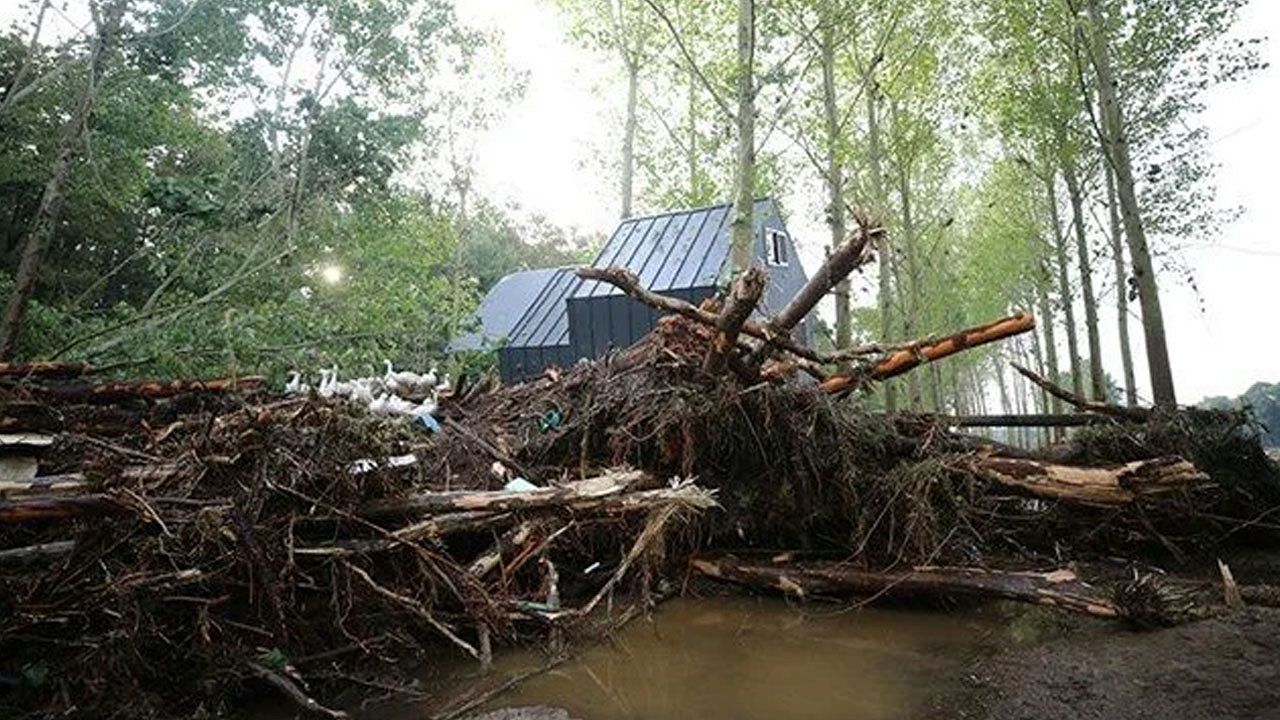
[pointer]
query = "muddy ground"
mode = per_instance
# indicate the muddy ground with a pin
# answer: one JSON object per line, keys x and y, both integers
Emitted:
{"x": 1226, "y": 668}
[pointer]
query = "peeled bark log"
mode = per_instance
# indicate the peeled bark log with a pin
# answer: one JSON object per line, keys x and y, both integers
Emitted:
{"x": 40, "y": 551}
{"x": 1060, "y": 588}
{"x": 1119, "y": 485}
{"x": 905, "y": 360}
{"x": 507, "y": 500}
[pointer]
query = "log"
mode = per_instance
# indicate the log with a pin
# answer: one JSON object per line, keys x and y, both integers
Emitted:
{"x": 58, "y": 508}
{"x": 150, "y": 389}
{"x": 1023, "y": 420}
{"x": 903, "y": 361}
{"x": 744, "y": 295}
{"x": 44, "y": 369}
{"x": 57, "y": 484}
{"x": 612, "y": 483}
{"x": 1059, "y": 589}
{"x": 855, "y": 252}
{"x": 1132, "y": 414}
{"x": 39, "y": 551}
{"x": 1105, "y": 486}
{"x": 626, "y": 281}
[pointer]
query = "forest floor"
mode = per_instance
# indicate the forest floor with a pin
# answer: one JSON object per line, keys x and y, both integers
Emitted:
{"x": 1223, "y": 667}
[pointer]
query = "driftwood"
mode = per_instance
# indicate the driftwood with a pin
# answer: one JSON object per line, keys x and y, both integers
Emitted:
{"x": 39, "y": 551}
{"x": 1022, "y": 420}
{"x": 1120, "y": 485}
{"x": 58, "y": 508}
{"x": 905, "y": 360}
{"x": 55, "y": 484}
{"x": 612, "y": 483}
{"x": 1059, "y": 588}
{"x": 744, "y": 295}
{"x": 1133, "y": 414}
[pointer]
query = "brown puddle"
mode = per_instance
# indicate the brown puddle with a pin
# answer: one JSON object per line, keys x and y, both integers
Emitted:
{"x": 745, "y": 657}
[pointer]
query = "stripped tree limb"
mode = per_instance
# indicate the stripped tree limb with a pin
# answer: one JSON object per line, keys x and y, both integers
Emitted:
{"x": 39, "y": 551}
{"x": 1060, "y": 589}
{"x": 293, "y": 692}
{"x": 417, "y": 608}
{"x": 612, "y": 483}
{"x": 854, "y": 253}
{"x": 744, "y": 295}
{"x": 1135, "y": 414}
{"x": 69, "y": 483}
{"x": 905, "y": 360}
{"x": 1110, "y": 486}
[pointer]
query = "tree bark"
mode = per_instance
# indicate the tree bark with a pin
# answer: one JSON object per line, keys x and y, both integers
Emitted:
{"x": 1111, "y": 486}
{"x": 1116, "y": 143}
{"x": 834, "y": 176}
{"x": 49, "y": 215}
{"x": 743, "y": 297}
{"x": 1061, "y": 588}
{"x": 743, "y": 226}
{"x": 878, "y": 211}
{"x": 1050, "y": 339}
{"x": 1122, "y": 288}
{"x": 1064, "y": 292}
{"x": 905, "y": 360}
{"x": 629, "y": 137}
{"x": 609, "y": 484}
{"x": 1097, "y": 382}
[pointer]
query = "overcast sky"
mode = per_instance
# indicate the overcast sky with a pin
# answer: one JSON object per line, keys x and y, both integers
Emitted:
{"x": 544, "y": 157}
{"x": 541, "y": 157}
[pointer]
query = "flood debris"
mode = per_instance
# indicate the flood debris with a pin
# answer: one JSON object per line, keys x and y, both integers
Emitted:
{"x": 186, "y": 543}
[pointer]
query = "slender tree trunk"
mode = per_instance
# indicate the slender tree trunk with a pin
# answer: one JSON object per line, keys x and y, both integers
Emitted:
{"x": 1097, "y": 383}
{"x": 629, "y": 137}
{"x": 1047, "y": 321}
{"x": 743, "y": 229}
{"x": 874, "y": 160}
{"x": 1064, "y": 293}
{"x": 45, "y": 225}
{"x": 1122, "y": 289}
{"x": 692, "y": 150}
{"x": 835, "y": 178}
{"x": 908, "y": 290}
{"x": 1117, "y": 153}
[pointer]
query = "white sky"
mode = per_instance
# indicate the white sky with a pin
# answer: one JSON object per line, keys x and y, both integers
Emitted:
{"x": 544, "y": 157}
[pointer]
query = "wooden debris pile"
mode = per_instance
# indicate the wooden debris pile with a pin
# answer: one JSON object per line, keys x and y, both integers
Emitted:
{"x": 167, "y": 546}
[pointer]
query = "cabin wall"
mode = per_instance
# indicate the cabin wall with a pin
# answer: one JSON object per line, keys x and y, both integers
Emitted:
{"x": 600, "y": 324}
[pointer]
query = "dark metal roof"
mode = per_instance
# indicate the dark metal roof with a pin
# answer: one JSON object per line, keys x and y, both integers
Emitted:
{"x": 671, "y": 252}
{"x": 545, "y": 320}
{"x": 675, "y": 250}
{"x": 502, "y": 308}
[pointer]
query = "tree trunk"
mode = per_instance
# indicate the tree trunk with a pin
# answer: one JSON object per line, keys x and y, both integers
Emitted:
{"x": 1097, "y": 383}
{"x": 49, "y": 214}
{"x": 908, "y": 280}
{"x": 1116, "y": 143}
{"x": 1060, "y": 588}
{"x": 835, "y": 178}
{"x": 878, "y": 211}
{"x": 629, "y": 137}
{"x": 743, "y": 227}
{"x": 1064, "y": 293}
{"x": 1050, "y": 337}
{"x": 1121, "y": 485}
{"x": 1122, "y": 288}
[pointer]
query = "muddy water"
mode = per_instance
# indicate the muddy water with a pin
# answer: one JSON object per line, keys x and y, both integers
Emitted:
{"x": 741, "y": 658}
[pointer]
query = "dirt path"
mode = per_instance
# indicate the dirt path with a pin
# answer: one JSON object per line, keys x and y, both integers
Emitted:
{"x": 1222, "y": 669}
